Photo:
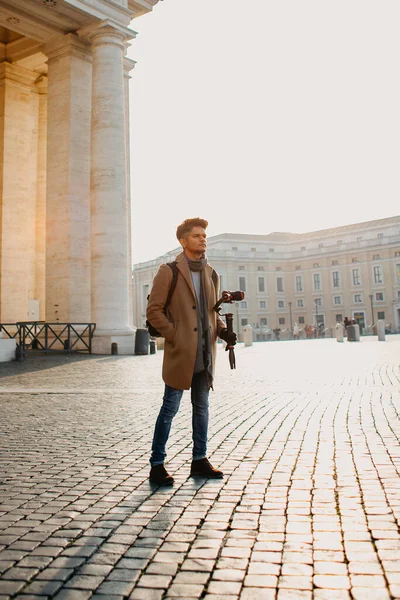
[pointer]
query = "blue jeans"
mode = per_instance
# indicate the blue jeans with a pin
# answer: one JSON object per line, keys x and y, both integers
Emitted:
{"x": 199, "y": 395}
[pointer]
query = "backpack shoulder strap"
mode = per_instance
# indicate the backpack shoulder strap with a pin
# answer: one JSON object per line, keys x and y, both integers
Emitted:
{"x": 174, "y": 268}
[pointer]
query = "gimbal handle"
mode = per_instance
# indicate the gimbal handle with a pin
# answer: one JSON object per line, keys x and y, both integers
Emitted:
{"x": 230, "y": 348}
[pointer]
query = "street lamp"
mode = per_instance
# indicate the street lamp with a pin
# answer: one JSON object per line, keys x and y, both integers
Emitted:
{"x": 290, "y": 313}
{"x": 316, "y": 310}
{"x": 371, "y": 297}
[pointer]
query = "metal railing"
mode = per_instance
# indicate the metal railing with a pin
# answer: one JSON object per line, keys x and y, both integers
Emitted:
{"x": 10, "y": 329}
{"x": 45, "y": 337}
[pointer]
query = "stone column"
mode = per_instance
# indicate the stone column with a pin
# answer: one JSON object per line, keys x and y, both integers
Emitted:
{"x": 40, "y": 262}
{"x": 110, "y": 236}
{"x": 128, "y": 66}
{"x": 18, "y": 128}
{"x": 68, "y": 181}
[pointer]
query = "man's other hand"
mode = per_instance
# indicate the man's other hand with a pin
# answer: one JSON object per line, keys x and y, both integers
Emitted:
{"x": 229, "y": 337}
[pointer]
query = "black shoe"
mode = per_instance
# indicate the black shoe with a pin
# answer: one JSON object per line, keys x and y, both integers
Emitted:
{"x": 203, "y": 468}
{"x": 160, "y": 476}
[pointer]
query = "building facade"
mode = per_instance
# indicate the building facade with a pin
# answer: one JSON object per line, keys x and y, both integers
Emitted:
{"x": 316, "y": 278}
{"x": 65, "y": 248}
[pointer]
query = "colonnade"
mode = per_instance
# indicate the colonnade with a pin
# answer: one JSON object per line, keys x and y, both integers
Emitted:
{"x": 73, "y": 245}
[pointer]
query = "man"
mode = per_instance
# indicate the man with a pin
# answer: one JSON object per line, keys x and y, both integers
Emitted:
{"x": 190, "y": 328}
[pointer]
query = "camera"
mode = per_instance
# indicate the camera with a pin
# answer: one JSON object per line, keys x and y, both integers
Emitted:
{"x": 232, "y": 296}
{"x": 228, "y": 298}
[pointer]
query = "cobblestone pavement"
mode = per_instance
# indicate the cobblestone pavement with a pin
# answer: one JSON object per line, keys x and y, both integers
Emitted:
{"x": 307, "y": 433}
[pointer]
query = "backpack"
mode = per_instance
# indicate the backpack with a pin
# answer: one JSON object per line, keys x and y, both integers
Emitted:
{"x": 152, "y": 330}
{"x": 174, "y": 268}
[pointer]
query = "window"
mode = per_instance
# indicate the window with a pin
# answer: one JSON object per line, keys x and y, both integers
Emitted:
{"x": 337, "y": 300}
{"x": 299, "y": 283}
{"x": 271, "y": 250}
{"x": 278, "y": 269}
{"x": 260, "y": 269}
{"x": 379, "y": 296}
{"x": 336, "y": 279}
{"x": 381, "y": 315}
{"x": 359, "y": 238}
{"x": 303, "y": 248}
{"x": 357, "y": 298}
{"x": 318, "y": 301}
{"x": 317, "y": 281}
{"x": 356, "y": 276}
{"x": 397, "y": 253}
{"x": 261, "y": 284}
{"x": 339, "y": 318}
{"x": 354, "y": 259}
{"x": 243, "y": 322}
{"x": 279, "y": 284}
{"x": 380, "y": 236}
{"x": 263, "y": 321}
{"x": 281, "y": 320}
{"x": 398, "y": 293}
{"x": 242, "y": 284}
{"x": 253, "y": 249}
{"x": 234, "y": 248}
{"x": 243, "y": 304}
{"x": 300, "y": 303}
{"x": 301, "y": 320}
{"x": 298, "y": 267}
{"x": 320, "y": 245}
{"x": 241, "y": 267}
{"x": 315, "y": 265}
{"x": 378, "y": 274}
{"x": 375, "y": 257}
{"x": 335, "y": 262}
{"x": 263, "y": 304}
{"x": 398, "y": 273}
{"x": 281, "y": 304}
{"x": 339, "y": 242}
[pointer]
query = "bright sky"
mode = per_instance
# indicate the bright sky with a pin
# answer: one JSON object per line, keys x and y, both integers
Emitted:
{"x": 263, "y": 116}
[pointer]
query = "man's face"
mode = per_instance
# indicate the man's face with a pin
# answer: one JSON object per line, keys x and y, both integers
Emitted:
{"x": 195, "y": 243}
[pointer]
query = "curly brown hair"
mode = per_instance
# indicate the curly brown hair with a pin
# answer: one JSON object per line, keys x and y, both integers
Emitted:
{"x": 187, "y": 225}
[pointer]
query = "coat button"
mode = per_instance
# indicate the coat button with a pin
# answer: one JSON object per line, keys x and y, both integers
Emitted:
{"x": 195, "y": 329}
{"x": 194, "y": 307}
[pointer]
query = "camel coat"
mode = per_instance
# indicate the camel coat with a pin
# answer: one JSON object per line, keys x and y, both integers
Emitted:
{"x": 179, "y": 325}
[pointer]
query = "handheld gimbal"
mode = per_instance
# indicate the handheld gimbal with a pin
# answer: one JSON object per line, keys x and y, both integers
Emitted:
{"x": 228, "y": 298}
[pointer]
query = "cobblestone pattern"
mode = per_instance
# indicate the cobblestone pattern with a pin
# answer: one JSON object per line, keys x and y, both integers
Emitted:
{"x": 306, "y": 432}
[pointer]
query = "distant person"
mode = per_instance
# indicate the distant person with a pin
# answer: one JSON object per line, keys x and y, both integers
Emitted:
{"x": 190, "y": 327}
{"x": 277, "y": 333}
{"x": 296, "y": 331}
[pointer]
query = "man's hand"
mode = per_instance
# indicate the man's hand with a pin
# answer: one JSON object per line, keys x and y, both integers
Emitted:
{"x": 229, "y": 337}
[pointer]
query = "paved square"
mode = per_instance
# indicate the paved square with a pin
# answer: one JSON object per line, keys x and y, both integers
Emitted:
{"x": 307, "y": 433}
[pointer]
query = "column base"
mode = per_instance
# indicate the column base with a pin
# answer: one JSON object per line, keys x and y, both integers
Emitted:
{"x": 103, "y": 340}
{"x": 7, "y": 349}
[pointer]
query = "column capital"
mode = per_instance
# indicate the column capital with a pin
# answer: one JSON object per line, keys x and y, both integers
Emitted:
{"x": 129, "y": 65}
{"x": 41, "y": 84}
{"x": 107, "y": 32}
{"x": 17, "y": 74}
{"x": 70, "y": 44}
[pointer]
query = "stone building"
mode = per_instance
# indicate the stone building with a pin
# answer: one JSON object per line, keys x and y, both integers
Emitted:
{"x": 64, "y": 184}
{"x": 308, "y": 278}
